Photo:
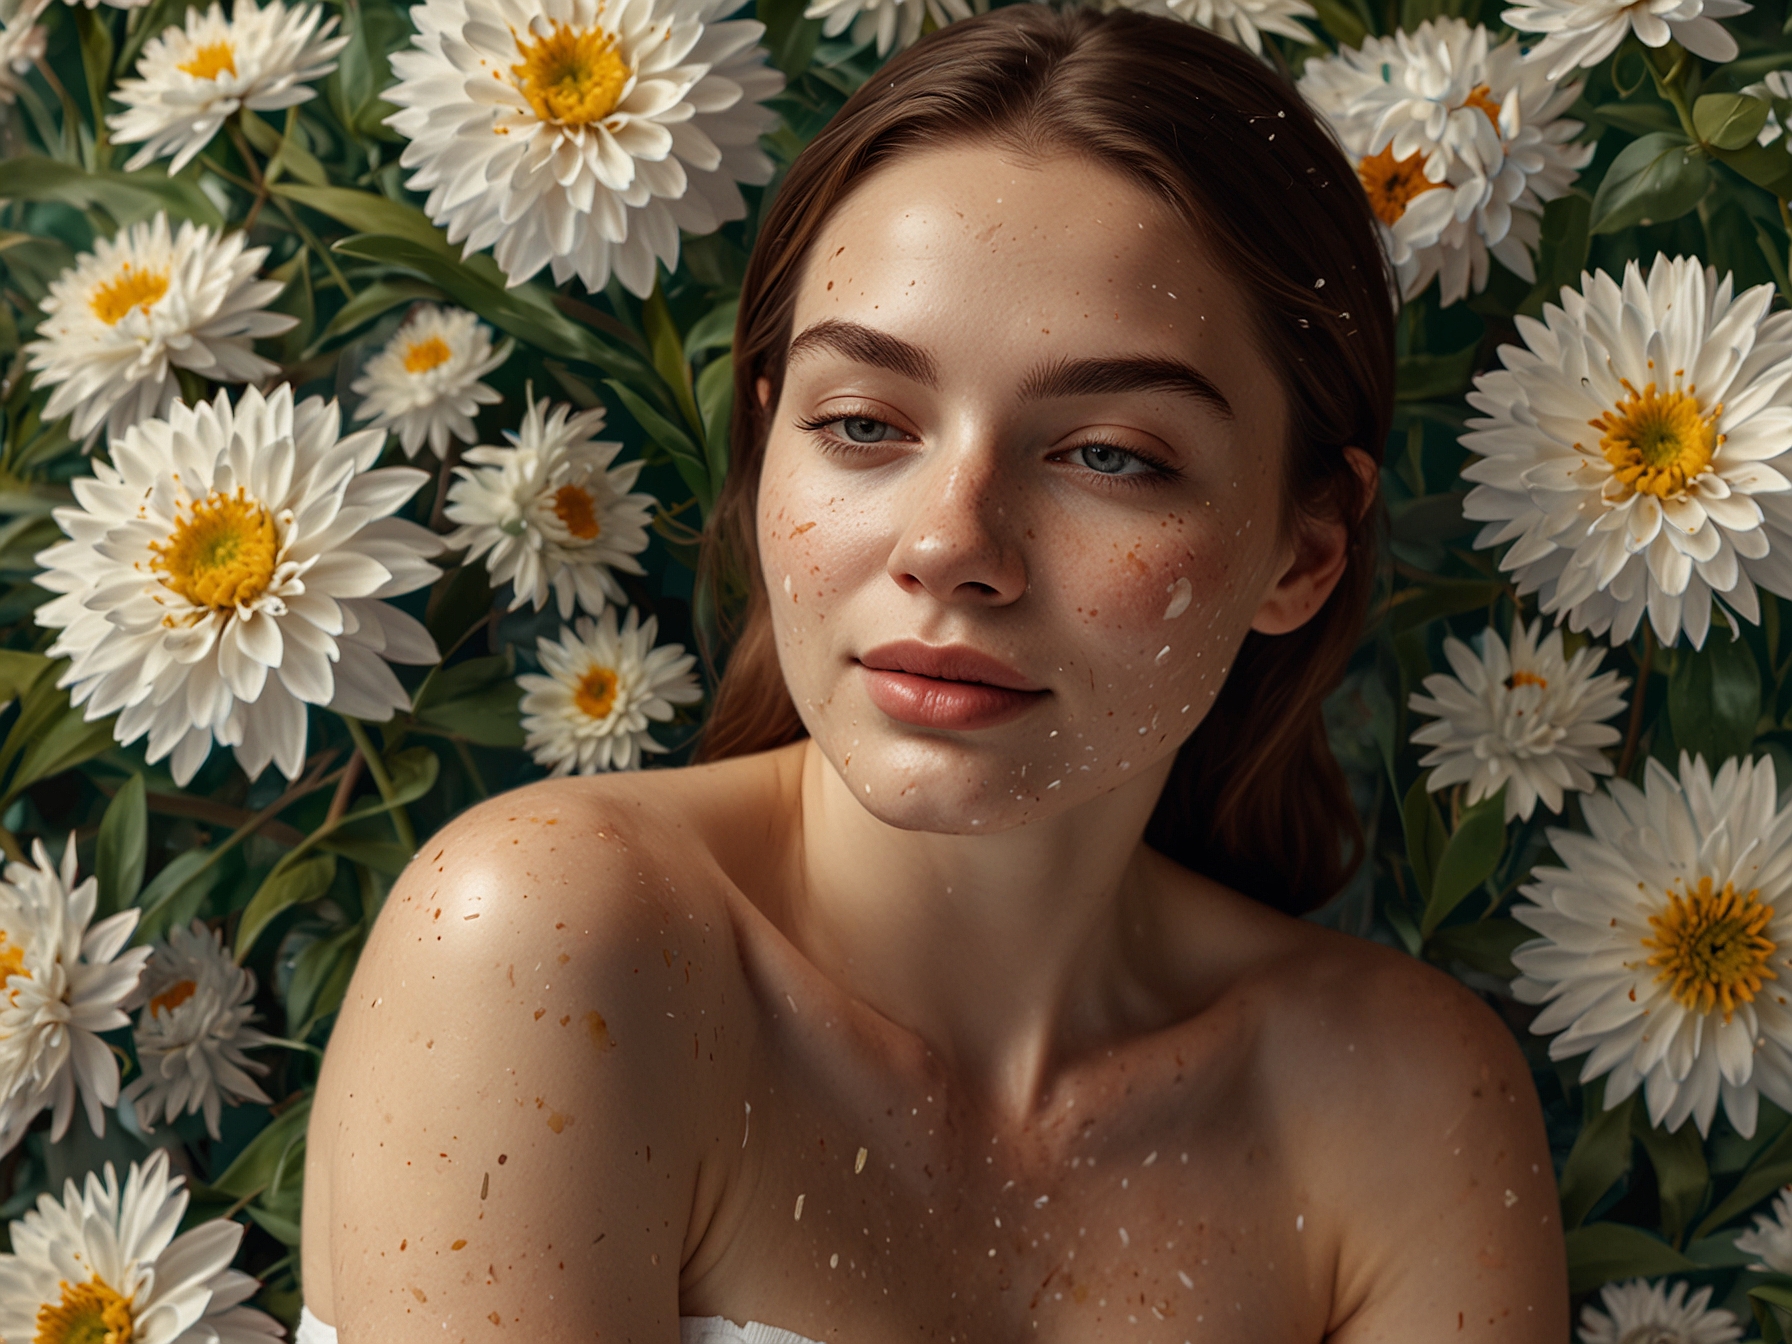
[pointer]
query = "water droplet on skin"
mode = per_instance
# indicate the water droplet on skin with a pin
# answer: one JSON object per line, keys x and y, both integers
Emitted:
{"x": 1163, "y": 655}
{"x": 1182, "y": 592}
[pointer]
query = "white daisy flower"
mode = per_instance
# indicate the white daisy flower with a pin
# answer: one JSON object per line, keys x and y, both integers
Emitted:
{"x": 192, "y": 1031}
{"x": 225, "y": 570}
{"x": 1458, "y": 144}
{"x": 549, "y": 512}
{"x": 106, "y": 1265}
{"x": 425, "y": 382}
{"x": 1519, "y": 716}
{"x": 1642, "y": 1313}
{"x": 590, "y": 712}
{"x": 1240, "y": 21}
{"x": 1665, "y": 941}
{"x": 1585, "y": 32}
{"x": 1634, "y": 452}
{"x": 21, "y": 46}
{"x": 63, "y": 984}
{"x": 119, "y": 321}
{"x": 116, "y": 4}
{"x": 583, "y": 134}
{"x": 1770, "y": 1242}
{"x": 190, "y": 79}
{"x": 893, "y": 23}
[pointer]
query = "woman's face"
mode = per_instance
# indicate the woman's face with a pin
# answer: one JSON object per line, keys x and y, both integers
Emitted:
{"x": 1019, "y": 504}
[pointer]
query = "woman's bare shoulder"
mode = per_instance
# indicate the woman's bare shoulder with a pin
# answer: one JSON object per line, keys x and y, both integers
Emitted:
{"x": 553, "y": 977}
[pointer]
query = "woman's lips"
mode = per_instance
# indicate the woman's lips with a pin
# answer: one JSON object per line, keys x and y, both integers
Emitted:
{"x": 947, "y": 686}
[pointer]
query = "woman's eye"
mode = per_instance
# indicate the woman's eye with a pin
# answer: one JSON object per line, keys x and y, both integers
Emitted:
{"x": 1109, "y": 461}
{"x": 863, "y": 429}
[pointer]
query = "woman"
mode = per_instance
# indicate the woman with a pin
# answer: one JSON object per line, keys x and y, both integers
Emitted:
{"x": 930, "y": 1006}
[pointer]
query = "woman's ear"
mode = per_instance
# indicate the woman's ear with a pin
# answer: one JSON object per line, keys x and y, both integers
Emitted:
{"x": 1318, "y": 562}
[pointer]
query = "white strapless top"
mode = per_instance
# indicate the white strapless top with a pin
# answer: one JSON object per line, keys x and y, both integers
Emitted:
{"x": 691, "y": 1330}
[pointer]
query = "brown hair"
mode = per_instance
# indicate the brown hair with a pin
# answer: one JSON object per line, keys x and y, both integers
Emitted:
{"x": 1255, "y": 799}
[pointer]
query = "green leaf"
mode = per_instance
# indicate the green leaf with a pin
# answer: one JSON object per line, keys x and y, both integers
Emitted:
{"x": 383, "y": 856}
{"x": 714, "y": 330}
{"x": 67, "y": 742}
{"x": 1601, "y": 1153}
{"x": 1424, "y": 603}
{"x": 1654, "y": 179}
{"x": 1468, "y": 859}
{"x": 1639, "y": 118}
{"x": 668, "y": 356}
{"x": 127, "y": 197}
{"x": 368, "y": 212}
{"x": 476, "y": 700}
{"x": 123, "y": 846}
{"x": 288, "y": 885}
{"x": 1562, "y": 251}
{"x": 693, "y": 466}
{"x": 254, "y": 1168}
{"x": 1425, "y": 833}
{"x": 1770, "y": 1170}
{"x": 1767, "y": 166}
{"x": 1603, "y": 1252}
{"x": 1772, "y": 1304}
{"x": 313, "y": 967}
{"x": 1486, "y": 945}
{"x": 295, "y": 156}
{"x": 413, "y": 772}
{"x": 526, "y": 311}
{"x": 715, "y": 398}
{"x": 1729, "y": 120}
{"x": 174, "y": 895}
{"x": 1341, "y": 22}
{"x": 375, "y": 300}
{"x": 18, "y": 670}
{"x": 1714, "y": 698}
{"x": 1431, "y": 377}
{"x": 1681, "y": 1176}
{"x": 459, "y": 600}
{"x": 283, "y": 1229}
{"x": 789, "y": 37}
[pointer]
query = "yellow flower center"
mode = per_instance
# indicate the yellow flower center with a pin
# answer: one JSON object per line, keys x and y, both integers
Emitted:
{"x": 12, "y": 962}
{"x": 223, "y": 555}
{"x": 1518, "y": 679}
{"x": 172, "y": 997}
{"x": 1709, "y": 947}
{"x": 1657, "y": 443}
{"x": 576, "y": 510}
{"x": 130, "y": 288}
{"x": 210, "y": 61}
{"x": 422, "y": 356}
{"x": 596, "y": 694}
{"x": 1391, "y": 185}
{"x": 573, "y": 76}
{"x": 1478, "y": 97}
{"x": 89, "y": 1313}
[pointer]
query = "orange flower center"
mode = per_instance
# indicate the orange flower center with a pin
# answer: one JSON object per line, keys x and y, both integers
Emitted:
{"x": 1657, "y": 443}
{"x": 422, "y": 356}
{"x": 210, "y": 61}
{"x": 577, "y": 511}
{"x": 1709, "y": 948}
{"x": 573, "y": 76}
{"x": 89, "y": 1313}
{"x": 223, "y": 555}
{"x": 596, "y": 695}
{"x": 130, "y": 288}
{"x": 172, "y": 997}
{"x": 1391, "y": 185}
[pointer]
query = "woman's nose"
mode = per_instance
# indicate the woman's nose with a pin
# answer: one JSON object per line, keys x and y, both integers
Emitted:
{"x": 958, "y": 541}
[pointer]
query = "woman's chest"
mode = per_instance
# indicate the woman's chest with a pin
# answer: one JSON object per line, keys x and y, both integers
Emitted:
{"x": 866, "y": 1206}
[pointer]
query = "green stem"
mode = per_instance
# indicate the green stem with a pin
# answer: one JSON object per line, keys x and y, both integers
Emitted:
{"x": 1670, "y": 85}
{"x": 376, "y": 766}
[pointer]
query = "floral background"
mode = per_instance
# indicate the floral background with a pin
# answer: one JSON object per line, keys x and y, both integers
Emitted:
{"x": 360, "y": 416}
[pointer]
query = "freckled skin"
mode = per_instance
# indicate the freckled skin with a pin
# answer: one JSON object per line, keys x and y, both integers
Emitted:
{"x": 958, "y": 1058}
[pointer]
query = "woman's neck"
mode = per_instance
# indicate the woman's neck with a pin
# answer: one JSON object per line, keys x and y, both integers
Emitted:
{"x": 1007, "y": 954}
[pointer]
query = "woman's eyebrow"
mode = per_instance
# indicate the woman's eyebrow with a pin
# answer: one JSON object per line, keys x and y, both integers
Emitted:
{"x": 1062, "y": 378}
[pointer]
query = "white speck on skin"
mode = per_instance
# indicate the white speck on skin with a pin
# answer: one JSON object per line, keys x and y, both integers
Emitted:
{"x": 1182, "y": 592}
{"x": 799, "y": 1208}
